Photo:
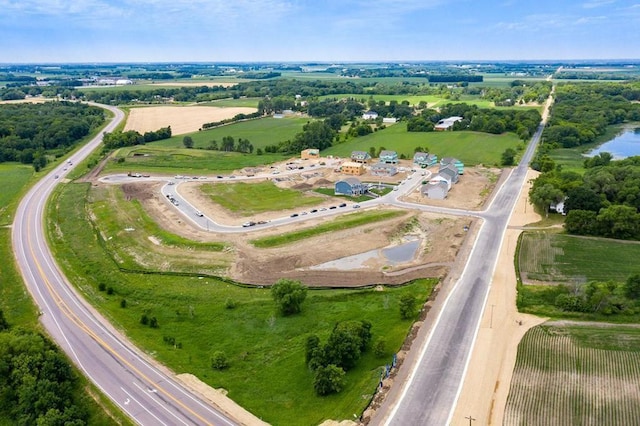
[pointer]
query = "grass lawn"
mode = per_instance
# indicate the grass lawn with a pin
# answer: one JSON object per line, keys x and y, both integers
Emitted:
{"x": 571, "y": 375}
{"x": 260, "y": 132}
{"x": 184, "y": 161}
{"x": 14, "y": 178}
{"x": 248, "y": 199}
{"x": 554, "y": 257}
{"x": 342, "y": 222}
{"x": 470, "y": 147}
{"x": 267, "y": 373}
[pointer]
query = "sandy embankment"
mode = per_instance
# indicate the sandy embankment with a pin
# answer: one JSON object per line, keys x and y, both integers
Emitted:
{"x": 182, "y": 119}
{"x": 486, "y": 385}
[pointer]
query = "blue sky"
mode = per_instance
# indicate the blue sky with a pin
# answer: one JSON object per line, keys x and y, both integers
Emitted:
{"x": 316, "y": 30}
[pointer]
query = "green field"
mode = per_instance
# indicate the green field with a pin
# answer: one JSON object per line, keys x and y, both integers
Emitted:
{"x": 14, "y": 178}
{"x": 267, "y": 373}
{"x": 230, "y": 102}
{"x": 553, "y": 257}
{"x": 339, "y": 224}
{"x": 470, "y": 147}
{"x": 432, "y": 100}
{"x": 576, "y": 375}
{"x": 184, "y": 161}
{"x": 248, "y": 199}
{"x": 261, "y": 132}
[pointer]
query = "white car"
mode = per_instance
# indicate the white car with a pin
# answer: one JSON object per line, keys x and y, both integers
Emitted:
{"x": 199, "y": 213}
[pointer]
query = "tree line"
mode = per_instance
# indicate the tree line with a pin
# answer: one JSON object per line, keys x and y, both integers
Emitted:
{"x": 603, "y": 202}
{"x": 120, "y": 139}
{"x": 31, "y": 132}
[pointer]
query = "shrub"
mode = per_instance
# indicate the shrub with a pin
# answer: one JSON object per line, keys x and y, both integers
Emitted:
{"x": 219, "y": 361}
{"x": 144, "y": 319}
{"x": 380, "y": 348}
{"x": 230, "y": 303}
{"x": 328, "y": 380}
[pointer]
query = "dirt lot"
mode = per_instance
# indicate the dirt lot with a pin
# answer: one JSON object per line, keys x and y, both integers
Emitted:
{"x": 182, "y": 119}
{"x": 441, "y": 237}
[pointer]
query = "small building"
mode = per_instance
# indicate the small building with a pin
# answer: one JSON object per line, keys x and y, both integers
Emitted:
{"x": 436, "y": 190}
{"x": 389, "y": 120}
{"x": 424, "y": 159}
{"x": 446, "y": 123}
{"x": 352, "y": 168}
{"x": 383, "y": 169}
{"x": 457, "y": 163}
{"x": 360, "y": 156}
{"x": 449, "y": 171}
{"x": 389, "y": 157}
{"x": 370, "y": 115}
{"x": 350, "y": 186}
{"x": 311, "y": 153}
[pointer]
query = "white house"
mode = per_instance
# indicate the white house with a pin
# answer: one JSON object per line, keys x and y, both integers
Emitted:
{"x": 370, "y": 115}
{"x": 446, "y": 123}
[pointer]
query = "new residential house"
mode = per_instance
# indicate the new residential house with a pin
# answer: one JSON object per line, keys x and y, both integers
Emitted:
{"x": 360, "y": 156}
{"x": 455, "y": 162}
{"x": 350, "y": 186}
{"x": 450, "y": 171}
{"x": 436, "y": 189}
{"x": 383, "y": 169}
{"x": 424, "y": 159}
{"x": 388, "y": 157}
{"x": 352, "y": 168}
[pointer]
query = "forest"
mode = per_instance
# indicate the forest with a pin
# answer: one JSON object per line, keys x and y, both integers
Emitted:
{"x": 31, "y": 132}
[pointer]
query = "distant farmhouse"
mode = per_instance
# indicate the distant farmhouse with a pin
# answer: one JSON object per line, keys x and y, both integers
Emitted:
{"x": 424, "y": 159}
{"x": 446, "y": 123}
{"x": 352, "y": 168}
{"x": 370, "y": 115}
{"x": 310, "y": 153}
{"x": 350, "y": 186}
{"x": 360, "y": 156}
{"x": 388, "y": 157}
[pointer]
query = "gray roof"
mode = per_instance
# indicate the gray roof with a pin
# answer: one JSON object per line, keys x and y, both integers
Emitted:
{"x": 352, "y": 181}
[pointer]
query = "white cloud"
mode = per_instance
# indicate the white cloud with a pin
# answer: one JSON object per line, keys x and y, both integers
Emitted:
{"x": 592, "y": 4}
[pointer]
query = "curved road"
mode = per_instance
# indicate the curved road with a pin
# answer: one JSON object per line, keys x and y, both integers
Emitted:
{"x": 146, "y": 393}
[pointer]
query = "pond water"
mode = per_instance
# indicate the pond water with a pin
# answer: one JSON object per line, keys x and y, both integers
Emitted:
{"x": 395, "y": 255}
{"x": 626, "y": 144}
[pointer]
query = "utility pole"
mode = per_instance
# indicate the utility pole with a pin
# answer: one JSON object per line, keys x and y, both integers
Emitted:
{"x": 471, "y": 419}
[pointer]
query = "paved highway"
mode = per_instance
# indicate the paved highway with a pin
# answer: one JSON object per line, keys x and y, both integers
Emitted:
{"x": 429, "y": 395}
{"x": 146, "y": 393}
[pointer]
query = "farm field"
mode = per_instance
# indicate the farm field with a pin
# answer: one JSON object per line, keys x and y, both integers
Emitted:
{"x": 576, "y": 375}
{"x": 182, "y": 119}
{"x": 248, "y": 199}
{"x": 184, "y": 161}
{"x": 432, "y": 100}
{"x": 201, "y": 315}
{"x": 230, "y": 102}
{"x": 553, "y": 257}
{"x": 260, "y": 132}
{"x": 471, "y": 148}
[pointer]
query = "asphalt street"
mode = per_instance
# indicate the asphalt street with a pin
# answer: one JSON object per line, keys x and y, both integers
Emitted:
{"x": 143, "y": 391}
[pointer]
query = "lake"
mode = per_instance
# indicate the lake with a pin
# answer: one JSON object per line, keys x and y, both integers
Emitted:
{"x": 625, "y": 144}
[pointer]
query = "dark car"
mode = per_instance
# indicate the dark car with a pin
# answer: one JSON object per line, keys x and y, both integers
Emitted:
{"x": 294, "y": 215}
{"x": 332, "y": 207}
{"x": 313, "y": 211}
{"x": 343, "y": 205}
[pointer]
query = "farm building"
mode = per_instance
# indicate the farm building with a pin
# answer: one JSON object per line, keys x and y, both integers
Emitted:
{"x": 435, "y": 189}
{"x": 383, "y": 169}
{"x": 350, "y": 187}
{"x": 370, "y": 115}
{"x": 389, "y": 157}
{"x": 446, "y": 123}
{"x": 457, "y": 163}
{"x": 389, "y": 120}
{"x": 352, "y": 168}
{"x": 424, "y": 159}
{"x": 360, "y": 156}
{"x": 450, "y": 171}
{"x": 310, "y": 153}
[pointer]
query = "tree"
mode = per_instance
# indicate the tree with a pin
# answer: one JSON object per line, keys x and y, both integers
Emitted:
{"x": 328, "y": 380}
{"x": 508, "y": 157}
{"x": 543, "y": 196}
{"x": 582, "y": 198}
{"x": 407, "y": 306}
{"x": 632, "y": 287}
{"x": 347, "y": 342}
{"x": 187, "y": 141}
{"x": 4, "y": 325}
{"x": 219, "y": 361}
{"x": 289, "y": 295}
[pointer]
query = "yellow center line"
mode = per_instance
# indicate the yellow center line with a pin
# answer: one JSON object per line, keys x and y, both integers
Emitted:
{"x": 68, "y": 312}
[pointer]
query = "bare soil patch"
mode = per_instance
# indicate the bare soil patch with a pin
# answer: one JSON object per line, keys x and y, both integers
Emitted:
{"x": 182, "y": 119}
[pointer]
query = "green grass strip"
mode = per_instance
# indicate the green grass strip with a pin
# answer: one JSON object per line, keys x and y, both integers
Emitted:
{"x": 346, "y": 222}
